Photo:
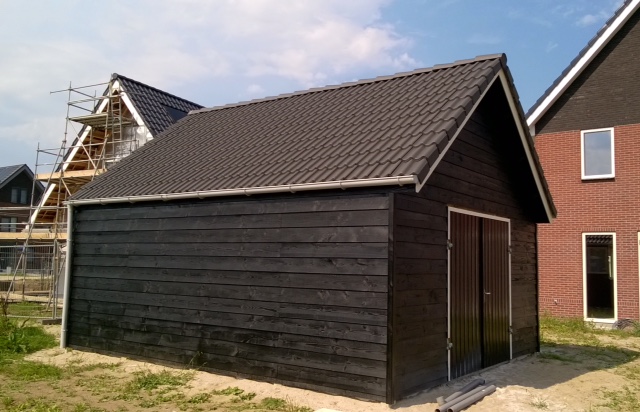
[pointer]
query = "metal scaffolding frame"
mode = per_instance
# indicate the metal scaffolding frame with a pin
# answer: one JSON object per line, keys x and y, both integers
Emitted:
{"x": 106, "y": 135}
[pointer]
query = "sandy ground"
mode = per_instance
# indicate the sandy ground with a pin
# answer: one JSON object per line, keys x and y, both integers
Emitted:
{"x": 560, "y": 378}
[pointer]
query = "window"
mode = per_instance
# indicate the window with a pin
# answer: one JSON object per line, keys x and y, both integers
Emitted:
{"x": 19, "y": 195}
{"x": 597, "y": 154}
{"x": 600, "y": 296}
{"x": 8, "y": 224}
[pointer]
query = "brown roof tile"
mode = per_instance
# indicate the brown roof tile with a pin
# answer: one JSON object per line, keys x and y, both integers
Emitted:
{"x": 388, "y": 126}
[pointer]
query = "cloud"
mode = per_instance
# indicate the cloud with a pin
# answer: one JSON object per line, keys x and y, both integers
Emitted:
{"x": 255, "y": 90}
{"x": 550, "y": 46}
{"x": 220, "y": 51}
{"x": 589, "y": 19}
{"x": 479, "y": 38}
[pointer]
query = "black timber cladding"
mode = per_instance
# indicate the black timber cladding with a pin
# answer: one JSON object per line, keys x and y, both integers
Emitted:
{"x": 483, "y": 171}
{"x": 605, "y": 94}
{"x": 385, "y": 127}
{"x": 291, "y": 289}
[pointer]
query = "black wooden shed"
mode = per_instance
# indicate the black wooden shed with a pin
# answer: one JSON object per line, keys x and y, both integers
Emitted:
{"x": 370, "y": 239}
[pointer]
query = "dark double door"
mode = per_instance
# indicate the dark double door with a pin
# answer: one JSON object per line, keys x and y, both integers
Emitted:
{"x": 479, "y": 293}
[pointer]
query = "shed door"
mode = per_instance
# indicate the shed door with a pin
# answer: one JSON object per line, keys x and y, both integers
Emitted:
{"x": 479, "y": 293}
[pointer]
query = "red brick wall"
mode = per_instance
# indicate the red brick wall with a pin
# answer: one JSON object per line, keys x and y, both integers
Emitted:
{"x": 611, "y": 205}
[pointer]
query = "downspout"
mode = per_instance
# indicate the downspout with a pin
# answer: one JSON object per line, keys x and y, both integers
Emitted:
{"x": 67, "y": 278}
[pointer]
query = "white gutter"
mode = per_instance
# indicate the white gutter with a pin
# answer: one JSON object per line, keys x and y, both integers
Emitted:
{"x": 67, "y": 279}
{"x": 340, "y": 184}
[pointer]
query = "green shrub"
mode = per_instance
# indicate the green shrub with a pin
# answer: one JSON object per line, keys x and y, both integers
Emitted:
{"x": 18, "y": 338}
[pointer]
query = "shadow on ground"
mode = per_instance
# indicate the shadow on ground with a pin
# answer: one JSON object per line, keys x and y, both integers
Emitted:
{"x": 554, "y": 365}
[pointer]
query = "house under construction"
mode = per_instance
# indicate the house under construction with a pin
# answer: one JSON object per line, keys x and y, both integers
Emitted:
{"x": 101, "y": 129}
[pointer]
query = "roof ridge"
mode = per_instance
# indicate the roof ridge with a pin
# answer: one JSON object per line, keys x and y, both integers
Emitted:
{"x": 17, "y": 166}
{"x": 115, "y": 76}
{"x": 496, "y": 56}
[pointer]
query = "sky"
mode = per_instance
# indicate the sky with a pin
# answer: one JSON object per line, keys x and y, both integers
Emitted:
{"x": 215, "y": 52}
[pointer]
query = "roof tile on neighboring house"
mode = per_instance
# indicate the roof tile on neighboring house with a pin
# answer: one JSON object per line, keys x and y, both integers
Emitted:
{"x": 393, "y": 126}
{"x": 7, "y": 173}
{"x": 158, "y": 109}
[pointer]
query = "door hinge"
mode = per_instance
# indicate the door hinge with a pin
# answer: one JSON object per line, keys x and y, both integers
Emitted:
{"x": 509, "y": 249}
{"x": 449, "y": 244}
{"x": 510, "y": 330}
{"x": 449, "y": 344}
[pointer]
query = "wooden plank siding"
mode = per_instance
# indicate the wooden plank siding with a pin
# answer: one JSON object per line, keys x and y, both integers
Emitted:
{"x": 472, "y": 175}
{"x": 291, "y": 289}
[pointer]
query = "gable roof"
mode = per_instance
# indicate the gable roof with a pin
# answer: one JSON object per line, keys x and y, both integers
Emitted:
{"x": 582, "y": 60}
{"x": 7, "y": 173}
{"x": 384, "y": 131}
{"x": 158, "y": 109}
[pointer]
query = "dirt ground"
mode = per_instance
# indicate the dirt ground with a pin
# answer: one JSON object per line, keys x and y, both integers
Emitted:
{"x": 601, "y": 376}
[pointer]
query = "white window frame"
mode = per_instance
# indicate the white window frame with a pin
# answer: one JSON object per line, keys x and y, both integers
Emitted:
{"x": 584, "y": 277}
{"x": 613, "y": 156}
{"x": 8, "y": 224}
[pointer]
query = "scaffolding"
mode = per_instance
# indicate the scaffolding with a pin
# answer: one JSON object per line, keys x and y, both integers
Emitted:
{"x": 105, "y": 131}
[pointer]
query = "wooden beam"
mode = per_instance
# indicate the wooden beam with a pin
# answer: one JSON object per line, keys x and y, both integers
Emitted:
{"x": 69, "y": 174}
{"x": 35, "y": 236}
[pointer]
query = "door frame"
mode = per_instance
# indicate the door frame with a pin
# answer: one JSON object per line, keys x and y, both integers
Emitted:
{"x": 451, "y": 209}
{"x": 584, "y": 277}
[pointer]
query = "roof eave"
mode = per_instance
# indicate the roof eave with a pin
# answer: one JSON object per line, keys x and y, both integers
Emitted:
{"x": 248, "y": 191}
{"x": 563, "y": 82}
{"x": 527, "y": 143}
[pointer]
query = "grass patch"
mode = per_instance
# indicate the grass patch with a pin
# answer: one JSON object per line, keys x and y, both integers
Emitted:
{"x": 630, "y": 372}
{"x": 77, "y": 367}
{"x": 539, "y": 403}
{"x": 17, "y": 340}
{"x": 284, "y": 405}
{"x": 622, "y": 400}
{"x": 27, "y": 371}
{"x": 21, "y": 338}
{"x": 572, "y": 330}
{"x": 147, "y": 380}
{"x": 101, "y": 384}
{"x": 33, "y": 405}
{"x": 576, "y": 330}
{"x": 238, "y": 394}
{"x": 199, "y": 398}
{"x": 83, "y": 407}
{"x": 31, "y": 309}
{"x": 228, "y": 391}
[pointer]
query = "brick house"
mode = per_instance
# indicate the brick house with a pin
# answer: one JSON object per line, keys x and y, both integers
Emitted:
{"x": 586, "y": 128}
